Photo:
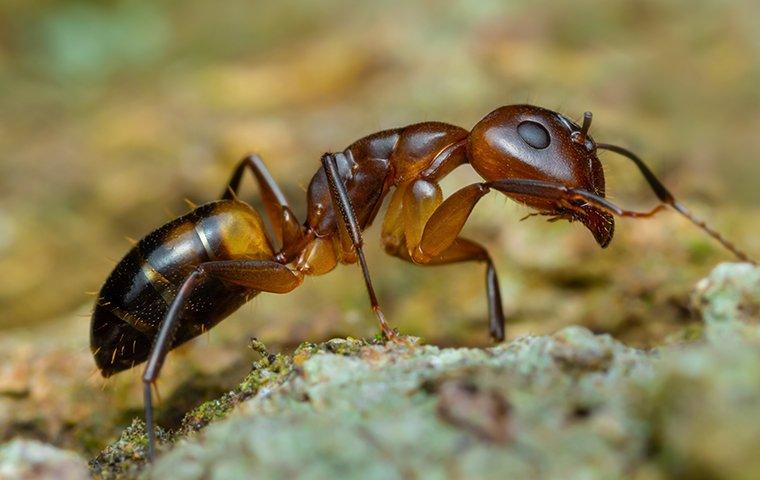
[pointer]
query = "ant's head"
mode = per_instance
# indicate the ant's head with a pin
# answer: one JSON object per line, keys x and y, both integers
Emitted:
{"x": 527, "y": 142}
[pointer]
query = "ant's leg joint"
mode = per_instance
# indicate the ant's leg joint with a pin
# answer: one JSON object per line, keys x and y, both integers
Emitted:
{"x": 419, "y": 256}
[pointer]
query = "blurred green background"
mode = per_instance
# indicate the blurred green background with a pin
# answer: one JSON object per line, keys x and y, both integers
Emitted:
{"x": 113, "y": 113}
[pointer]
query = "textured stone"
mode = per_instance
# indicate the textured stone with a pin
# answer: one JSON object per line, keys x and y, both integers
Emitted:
{"x": 569, "y": 405}
{"x": 32, "y": 460}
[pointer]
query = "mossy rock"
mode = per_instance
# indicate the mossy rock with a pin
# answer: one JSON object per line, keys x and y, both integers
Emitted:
{"x": 569, "y": 405}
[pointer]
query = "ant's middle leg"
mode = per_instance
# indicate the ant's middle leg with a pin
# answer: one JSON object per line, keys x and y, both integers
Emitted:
{"x": 287, "y": 229}
{"x": 340, "y": 198}
{"x": 260, "y": 275}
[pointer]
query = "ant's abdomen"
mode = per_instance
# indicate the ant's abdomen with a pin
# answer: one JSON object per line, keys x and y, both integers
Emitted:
{"x": 137, "y": 294}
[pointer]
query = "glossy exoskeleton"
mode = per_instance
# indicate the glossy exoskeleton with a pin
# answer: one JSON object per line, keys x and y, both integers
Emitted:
{"x": 188, "y": 275}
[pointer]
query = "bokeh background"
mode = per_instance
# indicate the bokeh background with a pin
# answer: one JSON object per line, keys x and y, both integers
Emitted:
{"x": 113, "y": 113}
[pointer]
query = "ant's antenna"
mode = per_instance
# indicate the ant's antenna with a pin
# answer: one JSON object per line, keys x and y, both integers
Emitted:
{"x": 667, "y": 198}
{"x": 680, "y": 208}
{"x": 580, "y": 136}
{"x": 587, "y": 116}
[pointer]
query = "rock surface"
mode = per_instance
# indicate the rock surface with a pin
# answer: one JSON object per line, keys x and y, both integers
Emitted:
{"x": 32, "y": 460}
{"x": 569, "y": 405}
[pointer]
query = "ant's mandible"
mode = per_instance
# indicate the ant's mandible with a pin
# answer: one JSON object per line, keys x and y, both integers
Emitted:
{"x": 188, "y": 275}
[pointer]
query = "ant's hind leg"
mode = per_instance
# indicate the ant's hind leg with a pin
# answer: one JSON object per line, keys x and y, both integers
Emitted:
{"x": 261, "y": 275}
{"x": 341, "y": 199}
{"x": 161, "y": 345}
{"x": 287, "y": 229}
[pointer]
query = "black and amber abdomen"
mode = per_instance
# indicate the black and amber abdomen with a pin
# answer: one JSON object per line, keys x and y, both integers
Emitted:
{"x": 137, "y": 294}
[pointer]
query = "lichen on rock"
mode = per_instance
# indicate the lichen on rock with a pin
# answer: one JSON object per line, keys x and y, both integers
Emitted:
{"x": 33, "y": 460}
{"x": 728, "y": 301}
{"x": 569, "y": 405}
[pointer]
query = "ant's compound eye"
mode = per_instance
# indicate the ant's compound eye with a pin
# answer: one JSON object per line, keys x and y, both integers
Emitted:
{"x": 534, "y": 134}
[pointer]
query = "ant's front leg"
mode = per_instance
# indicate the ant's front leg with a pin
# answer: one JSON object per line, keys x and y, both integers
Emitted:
{"x": 259, "y": 275}
{"x": 287, "y": 229}
{"x": 442, "y": 228}
{"x": 410, "y": 216}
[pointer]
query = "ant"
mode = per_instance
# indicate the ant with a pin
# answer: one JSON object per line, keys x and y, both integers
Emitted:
{"x": 185, "y": 277}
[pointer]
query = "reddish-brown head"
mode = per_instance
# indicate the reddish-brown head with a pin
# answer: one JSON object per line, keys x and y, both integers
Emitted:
{"x": 523, "y": 141}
